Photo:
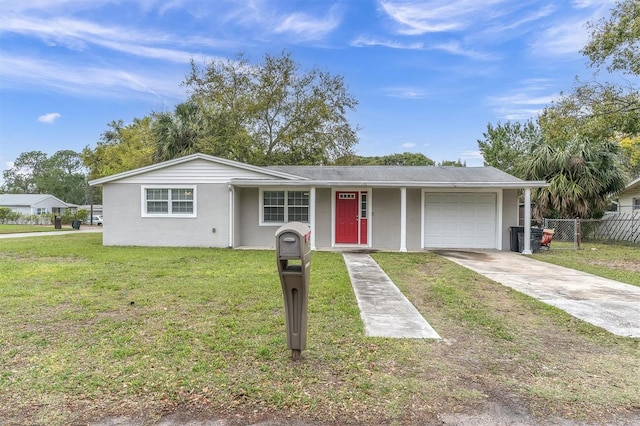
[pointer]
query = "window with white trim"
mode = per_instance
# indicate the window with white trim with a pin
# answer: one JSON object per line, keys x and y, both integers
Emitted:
{"x": 161, "y": 201}
{"x": 41, "y": 210}
{"x": 285, "y": 206}
{"x": 636, "y": 204}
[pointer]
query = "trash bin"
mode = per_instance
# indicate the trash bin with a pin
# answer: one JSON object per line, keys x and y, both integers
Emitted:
{"x": 513, "y": 234}
{"x": 293, "y": 256}
{"x": 75, "y": 224}
{"x": 536, "y": 238}
{"x": 57, "y": 222}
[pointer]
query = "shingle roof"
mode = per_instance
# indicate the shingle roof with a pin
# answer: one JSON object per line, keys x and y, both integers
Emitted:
{"x": 22, "y": 199}
{"x": 399, "y": 174}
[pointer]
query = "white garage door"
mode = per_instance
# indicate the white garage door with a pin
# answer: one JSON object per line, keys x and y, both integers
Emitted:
{"x": 461, "y": 220}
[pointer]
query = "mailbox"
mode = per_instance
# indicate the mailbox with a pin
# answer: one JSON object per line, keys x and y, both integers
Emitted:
{"x": 293, "y": 257}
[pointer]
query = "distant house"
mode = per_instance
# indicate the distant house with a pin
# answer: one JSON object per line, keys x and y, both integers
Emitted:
{"x": 629, "y": 198}
{"x": 35, "y": 204}
{"x": 96, "y": 209}
{"x": 206, "y": 201}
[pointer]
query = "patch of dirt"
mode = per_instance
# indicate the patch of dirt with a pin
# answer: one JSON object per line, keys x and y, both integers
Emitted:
{"x": 626, "y": 265}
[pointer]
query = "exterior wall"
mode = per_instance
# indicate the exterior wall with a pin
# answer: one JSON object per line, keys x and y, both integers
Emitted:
{"x": 414, "y": 218}
{"x": 126, "y": 226}
{"x": 509, "y": 215}
{"x": 51, "y": 204}
{"x": 323, "y": 218}
{"x": 385, "y": 218}
{"x": 251, "y": 234}
{"x": 625, "y": 201}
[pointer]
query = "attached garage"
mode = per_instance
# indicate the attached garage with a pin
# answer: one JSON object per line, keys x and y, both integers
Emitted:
{"x": 460, "y": 220}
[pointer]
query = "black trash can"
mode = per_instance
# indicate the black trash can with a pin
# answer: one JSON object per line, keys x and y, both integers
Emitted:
{"x": 75, "y": 224}
{"x": 57, "y": 222}
{"x": 513, "y": 234}
{"x": 536, "y": 238}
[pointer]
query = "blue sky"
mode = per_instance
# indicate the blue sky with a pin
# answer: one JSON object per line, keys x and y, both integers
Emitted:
{"x": 428, "y": 75}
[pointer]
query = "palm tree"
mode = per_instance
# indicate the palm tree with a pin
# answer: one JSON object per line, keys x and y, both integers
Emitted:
{"x": 177, "y": 134}
{"x": 581, "y": 174}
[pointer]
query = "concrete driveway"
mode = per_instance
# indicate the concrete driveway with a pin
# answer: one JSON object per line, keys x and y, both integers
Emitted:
{"x": 605, "y": 303}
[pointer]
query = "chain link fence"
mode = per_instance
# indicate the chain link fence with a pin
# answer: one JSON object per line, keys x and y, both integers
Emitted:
{"x": 566, "y": 231}
{"x": 613, "y": 227}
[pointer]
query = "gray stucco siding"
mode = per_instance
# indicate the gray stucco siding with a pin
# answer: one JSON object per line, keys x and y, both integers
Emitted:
{"x": 509, "y": 215}
{"x": 385, "y": 218}
{"x": 127, "y": 226}
{"x": 414, "y": 218}
{"x": 323, "y": 218}
{"x": 251, "y": 234}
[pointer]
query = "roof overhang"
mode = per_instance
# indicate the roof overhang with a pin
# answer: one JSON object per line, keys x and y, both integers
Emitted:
{"x": 241, "y": 183}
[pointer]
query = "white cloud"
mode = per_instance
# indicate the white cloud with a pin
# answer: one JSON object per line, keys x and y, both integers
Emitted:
{"x": 408, "y": 145}
{"x": 524, "y": 102}
{"x": 370, "y": 42}
{"x": 308, "y": 27}
{"x": 78, "y": 35}
{"x": 90, "y": 80}
{"x": 49, "y": 118}
{"x": 405, "y": 92}
{"x": 415, "y": 17}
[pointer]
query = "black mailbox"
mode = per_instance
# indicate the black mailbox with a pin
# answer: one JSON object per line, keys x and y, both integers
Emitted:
{"x": 293, "y": 256}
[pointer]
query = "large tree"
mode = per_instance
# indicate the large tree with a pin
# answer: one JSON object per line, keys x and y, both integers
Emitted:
{"x": 615, "y": 41}
{"x": 61, "y": 175}
{"x": 504, "y": 146}
{"x": 121, "y": 148}
{"x": 273, "y": 113}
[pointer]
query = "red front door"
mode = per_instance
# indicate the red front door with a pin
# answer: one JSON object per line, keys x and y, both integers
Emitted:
{"x": 347, "y": 217}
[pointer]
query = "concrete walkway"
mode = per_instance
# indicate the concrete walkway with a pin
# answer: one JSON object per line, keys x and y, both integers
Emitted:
{"x": 604, "y": 303}
{"x": 385, "y": 311}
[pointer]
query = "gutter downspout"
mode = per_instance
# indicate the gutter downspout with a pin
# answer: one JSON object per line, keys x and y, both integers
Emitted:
{"x": 526, "y": 248}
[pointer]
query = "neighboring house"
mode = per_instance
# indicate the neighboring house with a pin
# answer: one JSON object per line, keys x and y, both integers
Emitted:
{"x": 629, "y": 198}
{"x": 97, "y": 209}
{"x": 35, "y": 204}
{"x": 205, "y": 201}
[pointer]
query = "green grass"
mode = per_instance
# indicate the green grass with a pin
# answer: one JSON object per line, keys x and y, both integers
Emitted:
{"x": 615, "y": 261}
{"x": 90, "y": 331}
{"x": 18, "y": 229}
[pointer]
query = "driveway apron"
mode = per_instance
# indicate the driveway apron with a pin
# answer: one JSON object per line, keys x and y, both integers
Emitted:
{"x": 385, "y": 311}
{"x": 599, "y": 301}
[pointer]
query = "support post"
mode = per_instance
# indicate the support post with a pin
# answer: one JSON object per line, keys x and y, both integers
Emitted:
{"x": 403, "y": 219}
{"x": 526, "y": 248}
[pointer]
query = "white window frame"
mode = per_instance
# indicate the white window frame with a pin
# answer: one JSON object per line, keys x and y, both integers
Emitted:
{"x": 169, "y": 214}
{"x": 261, "y": 221}
{"x": 635, "y": 204}
{"x": 42, "y": 211}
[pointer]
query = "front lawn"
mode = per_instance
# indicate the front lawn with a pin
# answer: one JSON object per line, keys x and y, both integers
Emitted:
{"x": 619, "y": 262}
{"x": 90, "y": 332}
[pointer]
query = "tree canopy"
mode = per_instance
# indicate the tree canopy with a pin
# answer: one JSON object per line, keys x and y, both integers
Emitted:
{"x": 61, "y": 175}
{"x": 273, "y": 113}
{"x": 616, "y": 40}
{"x": 121, "y": 148}
{"x": 586, "y": 143}
{"x": 404, "y": 159}
{"x": 505, "y": 146}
